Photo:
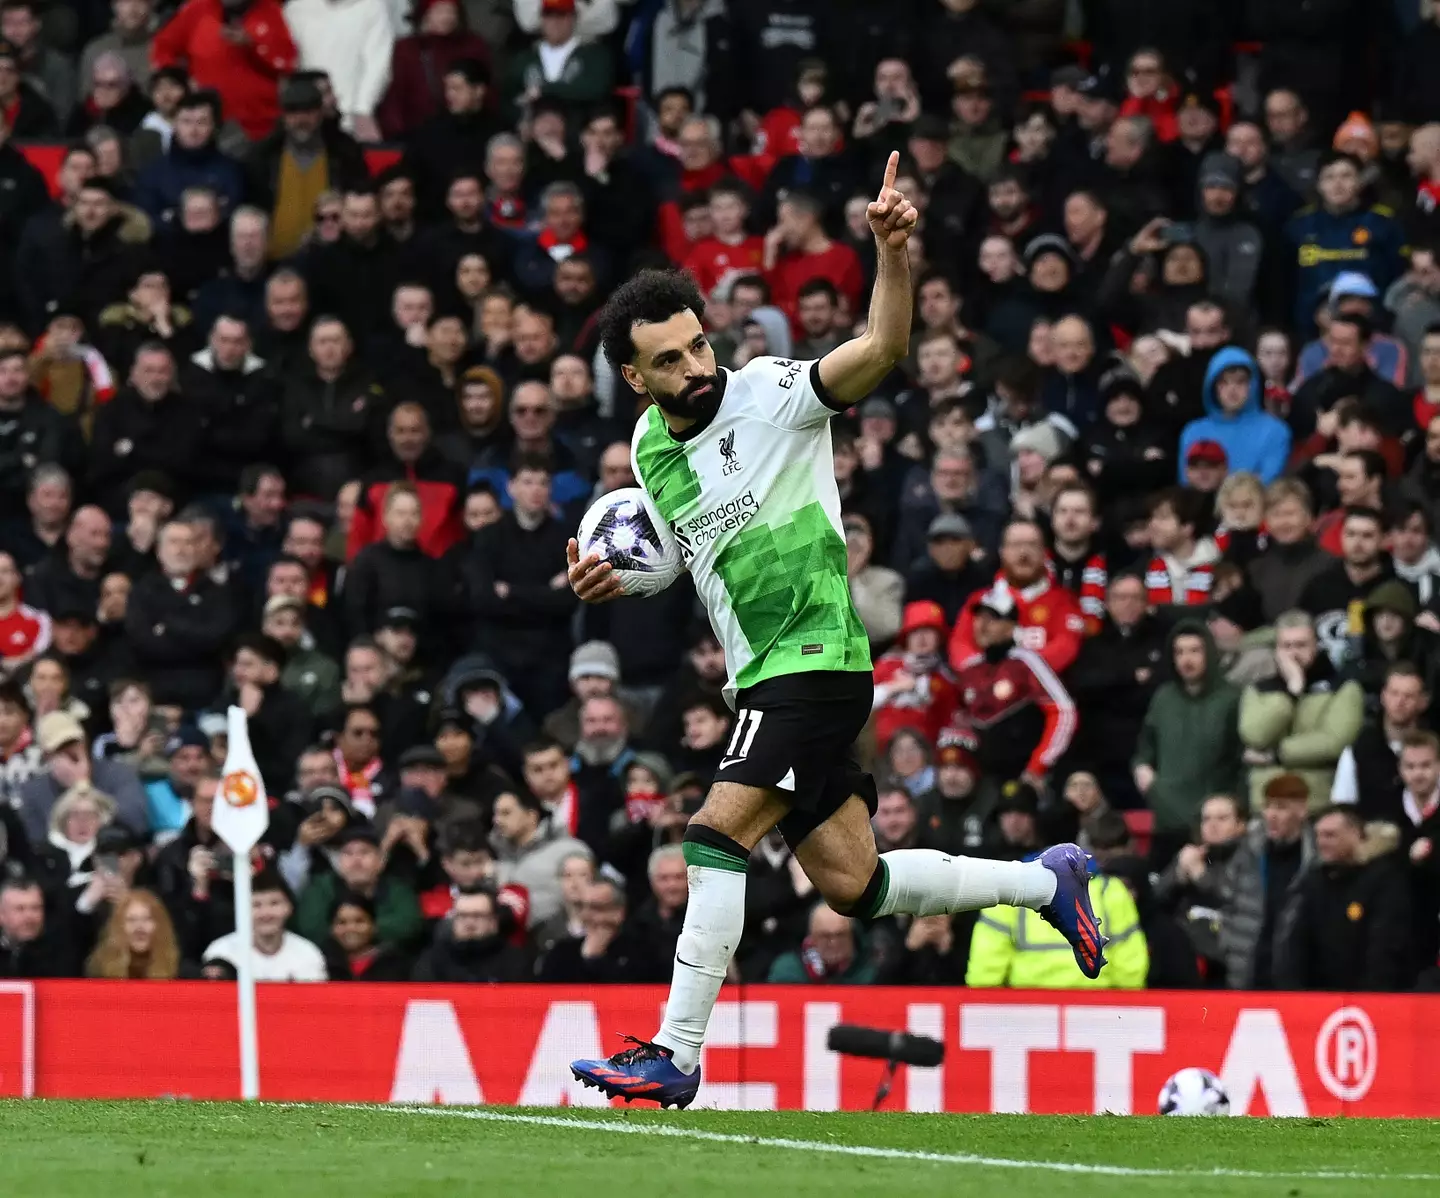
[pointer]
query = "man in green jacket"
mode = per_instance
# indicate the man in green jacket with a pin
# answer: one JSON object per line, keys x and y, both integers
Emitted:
{"x": 1189, "y": 747}
{"x": 831, "y": 953}
{"x": 308, "y": 673}
{"x": 359, "y": 864}
{"x": 573, "y": 74}
{"x": 1301, "y": 720}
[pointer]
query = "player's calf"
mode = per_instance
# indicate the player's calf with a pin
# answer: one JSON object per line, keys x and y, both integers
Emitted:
{"x": 927, "y": 882}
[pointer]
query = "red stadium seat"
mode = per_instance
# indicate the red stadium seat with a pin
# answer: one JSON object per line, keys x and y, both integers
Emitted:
{"x": 1142, "y": 827}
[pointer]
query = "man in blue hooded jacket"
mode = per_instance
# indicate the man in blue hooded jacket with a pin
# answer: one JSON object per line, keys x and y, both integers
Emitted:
{"x": 1254, "y": 440}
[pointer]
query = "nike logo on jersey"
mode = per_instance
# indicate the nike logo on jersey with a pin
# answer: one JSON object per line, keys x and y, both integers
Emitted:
{"x": 727, "y": 762}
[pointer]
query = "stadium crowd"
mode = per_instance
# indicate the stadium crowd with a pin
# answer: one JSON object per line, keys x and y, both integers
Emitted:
{"x": 301, "y": 397}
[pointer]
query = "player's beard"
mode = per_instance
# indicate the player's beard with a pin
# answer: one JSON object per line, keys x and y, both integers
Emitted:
{"x": 687, "y": 405}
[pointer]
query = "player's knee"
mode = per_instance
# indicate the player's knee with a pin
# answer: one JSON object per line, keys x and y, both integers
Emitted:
{"x": 715, "y": 821}
{"x": 742, "y": 813}
{"x": 845, "y": 891}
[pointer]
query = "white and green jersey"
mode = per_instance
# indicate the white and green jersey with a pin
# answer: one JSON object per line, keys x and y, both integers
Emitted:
{"x": 751, "y": 498}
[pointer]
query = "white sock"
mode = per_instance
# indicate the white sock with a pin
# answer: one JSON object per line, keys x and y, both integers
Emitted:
{"x": 714, "y": 920}
{"x": 927, "y": 882}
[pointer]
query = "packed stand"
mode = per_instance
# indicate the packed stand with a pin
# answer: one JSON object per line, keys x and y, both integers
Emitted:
{"x": 301, "y": 397}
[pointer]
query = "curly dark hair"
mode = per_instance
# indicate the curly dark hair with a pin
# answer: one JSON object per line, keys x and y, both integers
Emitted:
{"x": 650, "y": 297}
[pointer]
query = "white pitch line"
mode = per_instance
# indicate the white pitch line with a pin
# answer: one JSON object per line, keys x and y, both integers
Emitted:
{"x": 666, "y": 1130}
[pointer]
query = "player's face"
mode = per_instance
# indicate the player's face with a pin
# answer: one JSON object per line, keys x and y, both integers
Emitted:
{"x": 675, "y": 365}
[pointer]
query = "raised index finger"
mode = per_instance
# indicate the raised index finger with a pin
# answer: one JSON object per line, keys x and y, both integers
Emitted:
{"x": 892, "y": 165}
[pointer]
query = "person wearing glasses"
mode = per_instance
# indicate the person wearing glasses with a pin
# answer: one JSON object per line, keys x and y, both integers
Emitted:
{"x": 357, "y": 757}
{"x": 113, "y": 100}
{"x": 469, "y": 946}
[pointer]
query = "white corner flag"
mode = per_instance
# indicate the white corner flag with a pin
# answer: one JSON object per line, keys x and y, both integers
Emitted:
{"x": 242, "y": 813}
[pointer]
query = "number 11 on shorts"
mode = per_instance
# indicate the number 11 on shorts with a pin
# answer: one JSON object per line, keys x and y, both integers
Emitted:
{"x": 747, "y": 724}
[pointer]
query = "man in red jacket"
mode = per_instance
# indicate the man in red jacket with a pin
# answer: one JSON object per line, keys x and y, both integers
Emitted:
{"x": 797, "y": 250}
{"x": 439, "y": 483}
{"x": 1022, "y": 716}
{"x": 238, "y": 48}
{"x": 1048, "y": 619}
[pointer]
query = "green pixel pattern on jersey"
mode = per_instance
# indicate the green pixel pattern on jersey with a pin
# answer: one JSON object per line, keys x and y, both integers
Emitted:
{"x": 790, "y": 593}
{"x": 665, "y": 469}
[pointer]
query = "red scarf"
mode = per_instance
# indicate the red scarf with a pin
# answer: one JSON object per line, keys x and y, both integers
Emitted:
{"x": 640, "y": 805}
{"x": 1418, "y": 814}
{"x": 22, "y": 742}
{"x": 561, "y": 250}
{"x": 359, "y": 783}
{"x": 360, "y": 965}
{"x": 706, "y": 176}
{"x": 1425, "y": 411}
{"x": 1161, "y": 588}
{"x": 566, "y": 811}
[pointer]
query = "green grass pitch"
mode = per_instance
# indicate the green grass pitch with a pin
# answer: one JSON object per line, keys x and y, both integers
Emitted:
{"x": 215, "y": 1150}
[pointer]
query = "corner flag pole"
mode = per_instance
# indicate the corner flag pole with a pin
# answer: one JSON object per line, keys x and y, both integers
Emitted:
{"x": 245, "y": 931}
{"x": 242, "y": 813}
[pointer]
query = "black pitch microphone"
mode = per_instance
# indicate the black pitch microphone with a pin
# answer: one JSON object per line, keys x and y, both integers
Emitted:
{"x": 894, "y": 1048}
{"x": 900, "y": 1047}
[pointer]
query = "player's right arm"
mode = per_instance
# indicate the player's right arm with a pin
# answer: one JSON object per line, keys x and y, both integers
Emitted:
{"x": 849, "y": 372}
{"x": 592, "y": 580}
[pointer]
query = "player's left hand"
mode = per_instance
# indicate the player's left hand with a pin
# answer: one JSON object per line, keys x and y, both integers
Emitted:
{"x": 892, "y": 217}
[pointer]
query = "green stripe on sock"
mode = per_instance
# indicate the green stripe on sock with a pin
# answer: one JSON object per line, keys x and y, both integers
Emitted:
{"x": 706, "y": 857}
{"x": 878, "y": 905}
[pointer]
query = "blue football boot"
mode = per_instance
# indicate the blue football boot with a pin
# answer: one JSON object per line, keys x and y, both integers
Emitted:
{"x": 644, "y": 1070}
{"x": 1069, "y": 912}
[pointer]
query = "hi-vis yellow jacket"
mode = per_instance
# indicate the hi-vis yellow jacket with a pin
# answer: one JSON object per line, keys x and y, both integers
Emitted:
{"x": 1013, "y": 946}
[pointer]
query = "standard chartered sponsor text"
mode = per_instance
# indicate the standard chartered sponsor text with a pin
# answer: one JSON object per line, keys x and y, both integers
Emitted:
{"x": 732, "y": 514}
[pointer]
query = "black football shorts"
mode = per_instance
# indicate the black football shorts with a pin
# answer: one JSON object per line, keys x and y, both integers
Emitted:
{"x": 795, "y": 734}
